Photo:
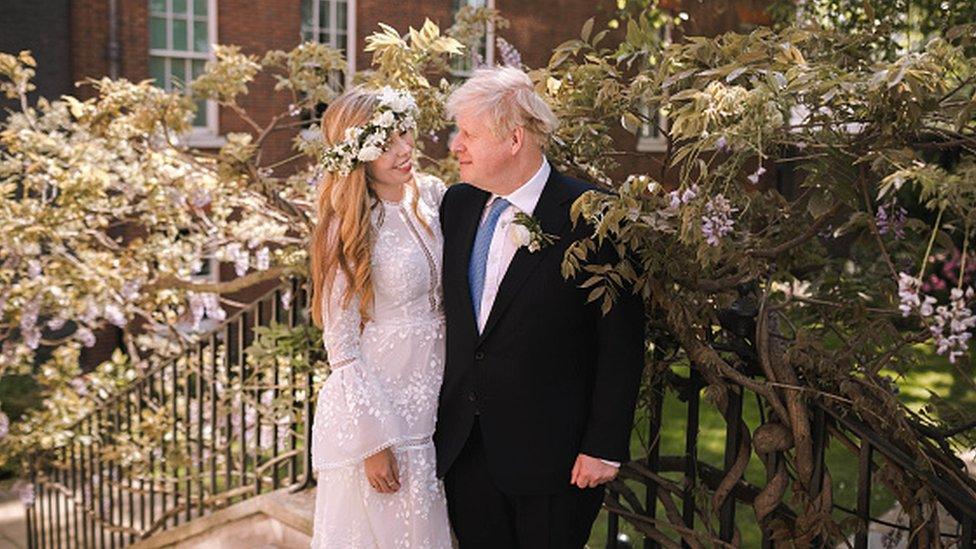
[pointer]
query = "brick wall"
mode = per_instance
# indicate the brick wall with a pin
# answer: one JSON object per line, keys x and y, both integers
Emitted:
{"x": 399, "y": 15}
{"x": 258, "y": 27}
{"x": 45, "y": 32}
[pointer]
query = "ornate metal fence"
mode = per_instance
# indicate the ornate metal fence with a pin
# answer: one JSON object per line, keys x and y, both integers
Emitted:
{"x": 188, "y": 437}
{"x": 699, "y": 500}
{"x": 220, "y": 425}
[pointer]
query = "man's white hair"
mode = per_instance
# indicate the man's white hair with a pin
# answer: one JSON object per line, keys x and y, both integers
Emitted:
{"x": 506, "y": 96}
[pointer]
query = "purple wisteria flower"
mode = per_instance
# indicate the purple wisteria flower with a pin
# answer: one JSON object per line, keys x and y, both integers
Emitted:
{"x": 200, "y": 198}
{"x": 4, "y": 425}
{"x": 113, "y": 313}
{"x": 262, "y": 259}
{"x": 33, "y": 269}
{"x": 894, "y": 222}
{"x": 211, "y": 305}
{"x": 952, "y": 324}
{"x": 86, "y": 336}
{"x": 717, "y": 221}
{"x": 722, "y": 144}
{"x": 79, "y": 385}
{"x": 911, "y": 297}
{"x": 679, "y": 198}
{"x": 754, "y": 178}
{"x": 25, "y": 491}
{"x": 56, "y": 323}
{"x": 508, "y": 54}
{"x": 236, "y": 253}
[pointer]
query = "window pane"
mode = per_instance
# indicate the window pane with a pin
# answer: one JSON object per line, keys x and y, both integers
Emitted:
{"x": 324, "y": 8}
{"x": 307, "y": 13}
{"x": 198, "y": 65}
{"x": 200, "y": 7}
{"x": 157, "y": 33}
{"x": 179, "y": 6}
{"x": 157, "y": 6}
{"x": 177, "y": 72}
{"x": 341, "y": 42}
{"x": 179, "y": 34}
{"x": 201, "y": 117}
{"x": 326, "y": 39}
{"x": 200, "y": 40}
{"x": 157, "y": 70}
{"x": 341, "y": 15}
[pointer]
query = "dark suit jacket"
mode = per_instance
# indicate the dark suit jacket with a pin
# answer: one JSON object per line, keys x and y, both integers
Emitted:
{"x": 550, "y": 376}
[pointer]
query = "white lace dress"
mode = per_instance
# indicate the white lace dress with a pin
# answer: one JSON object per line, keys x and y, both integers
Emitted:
{"x": 383, "y": 389}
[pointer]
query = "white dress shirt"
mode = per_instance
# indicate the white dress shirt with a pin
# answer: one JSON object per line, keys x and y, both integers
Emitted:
{"x": 503, "y": 247}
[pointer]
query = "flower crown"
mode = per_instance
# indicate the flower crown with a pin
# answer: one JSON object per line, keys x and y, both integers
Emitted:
{"x": 396, "y": 113}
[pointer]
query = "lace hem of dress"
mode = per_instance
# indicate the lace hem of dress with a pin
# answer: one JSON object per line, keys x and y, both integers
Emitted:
{"x": 404, "y": 442}
{"x": 343, "y": 362}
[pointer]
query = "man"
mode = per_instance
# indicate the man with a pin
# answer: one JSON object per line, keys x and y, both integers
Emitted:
{"x": 539, "y": 387}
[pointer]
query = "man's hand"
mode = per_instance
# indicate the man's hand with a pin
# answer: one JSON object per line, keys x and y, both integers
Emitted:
{"x": 383, "y": 472}
{"x": 589, "y": 472}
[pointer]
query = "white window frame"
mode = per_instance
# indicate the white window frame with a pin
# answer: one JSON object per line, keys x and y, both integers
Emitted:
{"x": 489, "y": 42}
{"x": 317, "y": 31}
{"x": 200, "y": 136}
{"x": 646, "y": 140}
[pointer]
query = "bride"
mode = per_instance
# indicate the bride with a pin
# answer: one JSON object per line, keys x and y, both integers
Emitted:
{"x": 375, "y": 262}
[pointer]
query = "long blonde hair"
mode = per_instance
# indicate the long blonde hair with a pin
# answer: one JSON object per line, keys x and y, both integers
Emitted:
{"x": 343, "y": 234}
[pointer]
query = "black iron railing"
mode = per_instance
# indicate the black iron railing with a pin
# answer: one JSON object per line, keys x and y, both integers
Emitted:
{"x": 675, "y": 483}
{"x": 188, "y": 437}
{"x": 217, "y": 426}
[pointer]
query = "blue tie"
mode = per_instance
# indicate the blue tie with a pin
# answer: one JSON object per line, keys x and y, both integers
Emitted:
{"x": 479, "y": 254}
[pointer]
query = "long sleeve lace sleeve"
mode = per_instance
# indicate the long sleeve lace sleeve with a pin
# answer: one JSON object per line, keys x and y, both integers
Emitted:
{"x": 354, "y": 417}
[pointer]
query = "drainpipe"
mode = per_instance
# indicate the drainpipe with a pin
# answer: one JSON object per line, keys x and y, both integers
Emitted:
{"x": 114, "y": 49}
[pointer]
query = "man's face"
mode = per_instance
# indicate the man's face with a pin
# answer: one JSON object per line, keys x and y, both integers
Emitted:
{"x": 484, "y": 157}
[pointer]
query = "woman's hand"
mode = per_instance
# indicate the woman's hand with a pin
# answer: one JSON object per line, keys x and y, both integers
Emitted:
{"x": 383, "y": 472}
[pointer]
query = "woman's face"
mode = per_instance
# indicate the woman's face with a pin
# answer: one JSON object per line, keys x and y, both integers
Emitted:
{"x": 394, "y": 168}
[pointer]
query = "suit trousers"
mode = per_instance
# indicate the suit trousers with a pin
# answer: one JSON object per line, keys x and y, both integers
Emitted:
{"x": 482, "y": 516}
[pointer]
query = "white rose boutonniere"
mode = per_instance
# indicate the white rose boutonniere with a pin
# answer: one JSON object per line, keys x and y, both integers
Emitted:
{"x": 525, "y": 230}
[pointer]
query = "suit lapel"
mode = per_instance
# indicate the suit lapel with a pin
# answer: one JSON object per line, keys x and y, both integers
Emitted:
{"x": 465, "y": 241}
{"x": 553, "y": 218}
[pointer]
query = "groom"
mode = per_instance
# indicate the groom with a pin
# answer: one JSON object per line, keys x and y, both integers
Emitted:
{"x": 539, "y": 387}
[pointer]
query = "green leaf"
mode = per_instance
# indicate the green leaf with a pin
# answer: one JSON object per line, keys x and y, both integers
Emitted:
{"x": 819, "y": 203}
{"x": 587, "y": 30}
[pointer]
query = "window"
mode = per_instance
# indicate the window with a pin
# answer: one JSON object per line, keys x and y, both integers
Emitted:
{"x": 485, "y": 53}
{"x": 180, "y": 36}
{"x": 652, "y": 137}
{"x": 332, "y": 22}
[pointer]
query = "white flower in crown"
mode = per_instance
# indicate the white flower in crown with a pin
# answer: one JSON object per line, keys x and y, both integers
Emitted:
{"x": 385, "y": 120}
{"x": 369, "y": 153}
{"x": 397, "y": 100}
{"x": 395, "y": 113}
{"x": 526, "y": 231}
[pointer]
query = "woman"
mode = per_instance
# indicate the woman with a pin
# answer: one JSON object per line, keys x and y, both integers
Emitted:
{"x": 376, "y": 294}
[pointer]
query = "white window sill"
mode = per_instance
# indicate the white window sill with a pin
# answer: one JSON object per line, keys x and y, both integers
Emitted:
{"x": 652, "y": 144}
{"x": 204, "y": 140}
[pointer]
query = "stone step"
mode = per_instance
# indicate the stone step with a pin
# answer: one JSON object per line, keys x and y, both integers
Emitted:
{"x": 280, "y": 520}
